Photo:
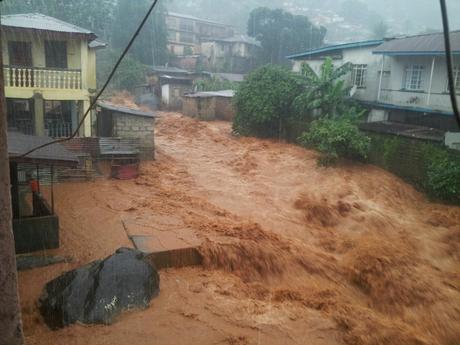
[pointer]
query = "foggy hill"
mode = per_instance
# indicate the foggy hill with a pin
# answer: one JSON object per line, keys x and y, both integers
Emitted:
{"x": 345, "y": 19}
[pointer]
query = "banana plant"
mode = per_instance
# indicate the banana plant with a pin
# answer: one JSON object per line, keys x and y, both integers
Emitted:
{"x": 326, "y": 93}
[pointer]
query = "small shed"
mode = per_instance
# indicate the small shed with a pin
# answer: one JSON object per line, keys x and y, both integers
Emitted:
{"x": 117, "y": 121}
{"x": 211, "y": 105}
{"x": 173, "y": 90}
{"x": 35, "y": 223}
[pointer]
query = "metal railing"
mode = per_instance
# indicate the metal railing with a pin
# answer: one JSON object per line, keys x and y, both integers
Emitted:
{"x": 37, "y": 77}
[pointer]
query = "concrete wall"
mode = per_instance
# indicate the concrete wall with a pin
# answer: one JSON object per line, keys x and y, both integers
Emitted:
{"x": 209, "y": 108}
{"x": 132, "y": 126}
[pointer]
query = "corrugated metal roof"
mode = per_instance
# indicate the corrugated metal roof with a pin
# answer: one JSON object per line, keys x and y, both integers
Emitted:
{"x": 234, "y": 77}
{"x": 205, "y": 94}
{"x": 164, "y": 69}
{"x": 97, "y": 44}
{"x": 336, "y": 47}
{"x": 19, "y": 143}
{"x": 428, "y": 44}
{"x": 124, "y": 110}
{"x": 187, "y": 16}
{"x": 37, "y": 21}
{"x": 236, "y": 39}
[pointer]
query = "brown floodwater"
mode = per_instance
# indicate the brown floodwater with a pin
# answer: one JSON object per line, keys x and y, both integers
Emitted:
{"x": 293, "y": 253}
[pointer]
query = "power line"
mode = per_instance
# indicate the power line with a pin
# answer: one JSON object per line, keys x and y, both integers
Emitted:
{"x": 93, "y": 103}
{"x": 449, "y": 61}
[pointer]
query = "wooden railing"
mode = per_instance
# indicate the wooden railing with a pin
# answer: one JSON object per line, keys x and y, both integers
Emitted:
{"x": 37, "y": 77}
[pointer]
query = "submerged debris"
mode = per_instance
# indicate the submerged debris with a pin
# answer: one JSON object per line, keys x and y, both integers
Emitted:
{"x": 99, "y": 291}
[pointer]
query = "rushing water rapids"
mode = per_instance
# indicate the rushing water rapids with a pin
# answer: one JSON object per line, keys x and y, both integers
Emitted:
{"x": 293, "y": 253}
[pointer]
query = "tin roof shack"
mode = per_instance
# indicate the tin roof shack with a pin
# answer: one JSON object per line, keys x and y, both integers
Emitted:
{"x": 127, "y": 123}
{"x": 215, "y": 105}
{"x": 35, "y": 224}
{"x": 173, "y": 90}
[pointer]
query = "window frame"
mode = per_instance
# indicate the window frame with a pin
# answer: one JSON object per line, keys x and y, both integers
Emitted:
{"x": 52, "y": 54}
{"x": 359, "y": 75}
{"x": 413, "y": 77}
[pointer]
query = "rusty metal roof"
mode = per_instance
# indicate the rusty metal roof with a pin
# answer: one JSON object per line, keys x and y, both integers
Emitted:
{"x": 38, "y": 21}
{"x": 207, "y": 94}
{"x": 124, "y": 110}
{"x": 427, "y": 44}
{"x": 55, "y": 154}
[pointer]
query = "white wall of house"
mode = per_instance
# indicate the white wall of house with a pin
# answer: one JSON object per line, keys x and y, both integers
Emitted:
{"x": 435, "y": 97}
{"x": 357, "y": 56}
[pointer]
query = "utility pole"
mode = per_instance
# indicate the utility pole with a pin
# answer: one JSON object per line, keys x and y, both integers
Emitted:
{"x": 10, "y": 312}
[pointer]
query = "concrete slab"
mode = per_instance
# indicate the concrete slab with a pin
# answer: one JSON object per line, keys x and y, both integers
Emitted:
{"x": 174, "y": 247}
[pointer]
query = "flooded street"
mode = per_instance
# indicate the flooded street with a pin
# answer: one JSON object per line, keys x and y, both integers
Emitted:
{"x": 292, "y": 253}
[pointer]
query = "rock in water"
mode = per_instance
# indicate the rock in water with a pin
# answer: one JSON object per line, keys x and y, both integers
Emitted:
{"x": 99, "y": 291}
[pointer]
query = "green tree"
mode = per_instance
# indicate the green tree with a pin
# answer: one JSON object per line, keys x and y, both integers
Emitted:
{"x": 264, "y": 101}
{"x": 130, "y": 73}
{"x": 282, "y": 33}
{"x": 150, "y": 46}
{"x": 379, "y": 30}
{"x": 326, "y": 93}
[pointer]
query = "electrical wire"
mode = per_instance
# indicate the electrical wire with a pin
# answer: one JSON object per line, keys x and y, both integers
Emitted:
{"x": 94, "y": 101}
{"x": 449, "y": 61}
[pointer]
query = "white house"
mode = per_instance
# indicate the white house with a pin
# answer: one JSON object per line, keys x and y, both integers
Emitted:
{"x": 366, "y": 65}
{"x": 402, "y": 80}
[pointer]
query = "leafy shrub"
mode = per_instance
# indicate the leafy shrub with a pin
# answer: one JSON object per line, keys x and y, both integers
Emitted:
{"x": 336, "y": 138}
{"x": 443, "y": 176}
{"x": 264, "y": 101}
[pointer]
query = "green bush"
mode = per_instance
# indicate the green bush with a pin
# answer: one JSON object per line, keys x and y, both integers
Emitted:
{"x": 264, "y": 101}
{"x": 430, "y": 167}
{"x": 336, "y": 138}
{"x": 443, "y": 176}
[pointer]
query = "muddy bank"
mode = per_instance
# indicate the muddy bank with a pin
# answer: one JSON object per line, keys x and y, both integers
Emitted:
{"x": 292, "y": 252}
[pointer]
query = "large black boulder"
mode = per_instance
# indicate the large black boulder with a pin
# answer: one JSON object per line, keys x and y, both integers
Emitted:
{"x": 99, "y": 291}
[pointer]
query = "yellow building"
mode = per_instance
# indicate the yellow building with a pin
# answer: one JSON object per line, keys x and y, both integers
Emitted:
{"x": 50, "y": 74}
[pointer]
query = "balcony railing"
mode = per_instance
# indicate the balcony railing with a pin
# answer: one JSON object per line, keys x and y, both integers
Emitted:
{"x": 59, "y": 130}
{"x": 36, "y": 77}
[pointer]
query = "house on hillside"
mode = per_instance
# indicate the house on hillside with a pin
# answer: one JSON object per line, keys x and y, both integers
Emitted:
{"x": 414, "y": 88}
{"x": 235, "y": 54}
{"x": 50, "y": 74}
{"x": 185, "y": 32}
{"x": 365, "y": 70}
{"x": 401, "y": 80}
{"x": 170, "y": 84}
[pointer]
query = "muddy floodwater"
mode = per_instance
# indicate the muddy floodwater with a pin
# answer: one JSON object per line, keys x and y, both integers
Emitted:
{"x": 293, "y": 253}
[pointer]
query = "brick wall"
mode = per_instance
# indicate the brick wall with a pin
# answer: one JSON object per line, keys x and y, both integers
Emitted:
{"x": 131, "y": 126}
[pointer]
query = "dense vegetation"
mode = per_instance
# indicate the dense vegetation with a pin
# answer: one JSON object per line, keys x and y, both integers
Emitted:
{"x": 282, "y": 33}
{"x": 273, "y": 98}
{"x": 264, "y": 101}
{"x": 336, "y": 138}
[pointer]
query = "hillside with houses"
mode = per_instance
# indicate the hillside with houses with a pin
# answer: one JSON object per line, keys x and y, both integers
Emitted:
{"x": 229, "y": 172}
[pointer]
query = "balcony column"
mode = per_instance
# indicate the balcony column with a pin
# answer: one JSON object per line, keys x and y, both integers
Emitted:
{"x": 84, "y": 64}
{"x": 39, "y": 115}
{"x": 86, "y": 129}
{"x": 381, "y": 78}
{"x": 428, "y": 98}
